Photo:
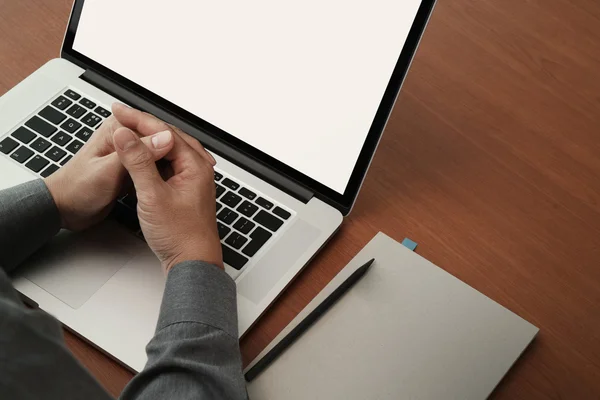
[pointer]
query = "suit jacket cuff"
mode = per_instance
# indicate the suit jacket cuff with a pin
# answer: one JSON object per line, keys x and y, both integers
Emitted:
{"x": 29, "y": 219}
{"x": 199, "y": 292}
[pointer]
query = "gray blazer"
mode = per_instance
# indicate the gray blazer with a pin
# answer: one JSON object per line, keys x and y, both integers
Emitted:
{"x": 194, "y": 353}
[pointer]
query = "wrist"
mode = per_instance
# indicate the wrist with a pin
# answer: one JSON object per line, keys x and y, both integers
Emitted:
{"x": 210, "y": 255}
{"x": 169, "y": 265}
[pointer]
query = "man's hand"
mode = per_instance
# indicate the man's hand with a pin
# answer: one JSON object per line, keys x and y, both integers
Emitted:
{"x": 177, "y": 216}
{"x": 85, "y": 189}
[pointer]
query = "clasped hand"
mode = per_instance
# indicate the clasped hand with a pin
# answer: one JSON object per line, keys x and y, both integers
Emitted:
{"x": 177, "y": 215}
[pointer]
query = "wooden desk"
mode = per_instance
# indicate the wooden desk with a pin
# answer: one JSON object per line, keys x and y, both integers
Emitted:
{"x": 491, "y": 162}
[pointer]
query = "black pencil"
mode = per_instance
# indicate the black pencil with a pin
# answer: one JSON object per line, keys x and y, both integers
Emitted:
{"x": 307, "y": 322}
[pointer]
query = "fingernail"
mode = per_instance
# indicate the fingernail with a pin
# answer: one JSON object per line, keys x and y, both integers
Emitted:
{"x": 124, "y": 139}
{"x": 161, "y": 139}
{"x": 214, "y": 162}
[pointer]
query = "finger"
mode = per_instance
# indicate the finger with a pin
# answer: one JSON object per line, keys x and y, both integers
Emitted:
{"x": 159, "y": 144}
{"x": 146, "y": 124}
{"x": 143, "y": 123}
{"x": 101, "y": 142}
{"x": 138, "y": 160}
{"x": 196, "y": 145}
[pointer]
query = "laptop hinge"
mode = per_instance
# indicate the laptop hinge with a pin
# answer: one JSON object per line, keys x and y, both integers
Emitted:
{"x": 226, "y": 151}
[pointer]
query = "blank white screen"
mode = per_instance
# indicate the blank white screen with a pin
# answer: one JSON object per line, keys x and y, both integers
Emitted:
{"x": 300, "y": 81}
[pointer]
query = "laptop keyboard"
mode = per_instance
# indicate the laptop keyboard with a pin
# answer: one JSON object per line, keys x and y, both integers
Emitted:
{"x": 48, "y": 140}
{"x": 246, "y": 219}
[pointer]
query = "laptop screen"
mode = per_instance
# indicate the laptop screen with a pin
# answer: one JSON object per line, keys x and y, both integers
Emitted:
{"x": 299, "y": 81}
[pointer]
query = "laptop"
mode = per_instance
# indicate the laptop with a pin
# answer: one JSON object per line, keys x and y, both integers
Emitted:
{"x": 291, "y": 99}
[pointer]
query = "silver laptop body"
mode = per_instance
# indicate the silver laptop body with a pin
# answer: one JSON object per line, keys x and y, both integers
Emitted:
{"x": 105, "y": 284}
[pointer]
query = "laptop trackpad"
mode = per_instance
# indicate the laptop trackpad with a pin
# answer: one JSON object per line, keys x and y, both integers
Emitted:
{"x": 73, "y": 266}
{"x": 276, "y": 263}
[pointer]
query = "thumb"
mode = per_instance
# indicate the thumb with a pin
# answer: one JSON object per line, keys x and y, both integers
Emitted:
{"x": 160, "y": 144}
{"x": 137, "y": 159}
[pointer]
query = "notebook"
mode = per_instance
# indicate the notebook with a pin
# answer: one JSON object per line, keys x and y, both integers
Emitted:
{"x": 406, "y": 330}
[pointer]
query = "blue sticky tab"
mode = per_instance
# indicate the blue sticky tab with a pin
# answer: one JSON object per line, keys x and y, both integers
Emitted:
{"x": 409, "y": 244}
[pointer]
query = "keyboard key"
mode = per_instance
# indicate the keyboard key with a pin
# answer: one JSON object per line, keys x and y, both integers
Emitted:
{"x": 87, "y": 103}
{"x": 8, "y": 145}
{"x": 231, "y": 199}
{"x": 280, "y": 212}
{"x": 247, "y": 193}
{"x": 91, "y": 120}
{"x": 37, "y": 163}
{"x": 227, "y": 216}
{"x": 24, "y": 135}
{"x": 71, "y": 125}
{"x": 72, "y": 95}
{"x": 220, "y": 190}
{"x": 258, "y": 238}
{"x": 41, "y": 126}
{"x": 40, "y": 145}
{"x": 52, "y": 115}
{"x": 102, "y": 112}
{"x": 22, "y": 154}
{"x": 267, "y": 220}
{"x": 223, "y": 230}
{"x": 49, "y": 171}
{"x": 76, "y": 111}
{"x": 66, "y": 160}
{"x": 218, "y": 176}
{"x": 62, "y": 103}
{"x": 84, "y": 133}
{"x": 248, "y": 209}
{"x": 244, "y": 226}
{"x": 56, "y": 154}
{"x": 61, "y": 138}
{"x": 233, "y": 258}
{"x": 236, "y": 240}
{"x": 230, "y": 184}
{"x": 264, "y": 203}
{"x": 75, "y": 146}
{"x": 219, "y": 206}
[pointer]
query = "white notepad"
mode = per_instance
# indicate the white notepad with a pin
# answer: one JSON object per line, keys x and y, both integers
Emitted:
{"x": 406, "y": 330}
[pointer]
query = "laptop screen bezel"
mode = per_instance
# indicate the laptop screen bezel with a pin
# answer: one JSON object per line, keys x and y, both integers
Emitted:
{"x": 342, "y": 202}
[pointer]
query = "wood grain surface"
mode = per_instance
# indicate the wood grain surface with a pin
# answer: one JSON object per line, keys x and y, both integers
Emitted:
{"x": 490, "y": 162}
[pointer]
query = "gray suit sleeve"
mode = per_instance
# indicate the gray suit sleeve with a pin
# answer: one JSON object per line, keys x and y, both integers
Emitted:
{"x": 34, "y": 361}
{"x": 31, "y": 341}
{"x": 28, "y": 219}
{"x": 195, "y": 351}
{"x": 193, "y": 355}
